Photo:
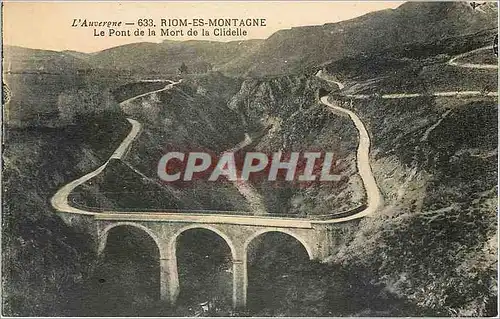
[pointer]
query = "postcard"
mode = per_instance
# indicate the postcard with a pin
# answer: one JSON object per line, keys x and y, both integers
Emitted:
{"x": 249, "y": 158}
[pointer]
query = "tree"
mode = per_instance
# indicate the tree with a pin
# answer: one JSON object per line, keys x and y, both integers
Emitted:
{"x": 183, "y": 69}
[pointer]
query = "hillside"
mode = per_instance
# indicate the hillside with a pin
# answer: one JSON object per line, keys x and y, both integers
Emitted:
{"x": 286, "y": 113}
{"x": 435, "y": 160}
{"x": 44, "y": 261}
{"x": 299, "y": 48}
{"x": 23, "y": 60}
{"x": 166, "y": 57}
{"x": 286, "y": 51}
{"x": 49, "y": 88}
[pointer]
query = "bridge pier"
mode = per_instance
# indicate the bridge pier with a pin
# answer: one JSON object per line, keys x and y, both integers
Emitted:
{"x": 169, "y": 280}
{"x": 240, "y": 283}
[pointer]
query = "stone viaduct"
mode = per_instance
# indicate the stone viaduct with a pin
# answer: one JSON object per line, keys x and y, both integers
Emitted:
{"x": 319, "y": 239}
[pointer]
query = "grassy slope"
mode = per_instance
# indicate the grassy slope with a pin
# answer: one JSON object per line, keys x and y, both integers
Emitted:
{"x": 480, "y": 57}
{"x": 121, "y": 188}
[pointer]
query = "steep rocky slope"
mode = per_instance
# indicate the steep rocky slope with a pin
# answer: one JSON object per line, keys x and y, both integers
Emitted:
{"x": 435, "y": 160}
{"x": 434, "y": 241}
{"x": 44, "y": 262}
{"x": 287, "y": 113}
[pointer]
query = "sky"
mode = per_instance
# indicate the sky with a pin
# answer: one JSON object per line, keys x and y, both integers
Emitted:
{"x": 48, "y": 25}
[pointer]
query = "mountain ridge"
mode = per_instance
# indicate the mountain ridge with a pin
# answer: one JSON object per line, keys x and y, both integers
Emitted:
{"x": 295, "y": 49}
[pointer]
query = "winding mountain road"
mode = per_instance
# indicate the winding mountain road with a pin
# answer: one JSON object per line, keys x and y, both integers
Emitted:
{"x": 167, "y": 87}
{"x": 328, "y": 78}
{"x": 374, "y": 198}
{"x": 453, "y": 61}
{"x": 455, "y": 94}
{"x": 60, "y": 200}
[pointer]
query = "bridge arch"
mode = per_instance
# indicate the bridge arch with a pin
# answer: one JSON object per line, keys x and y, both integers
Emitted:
{"x": 289, "y": 250}
{"x": 103, "y": 236}
{"x": 229, "y": 242}
{"x": 224, "y": 239}
{"x": 304, "y": 243}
